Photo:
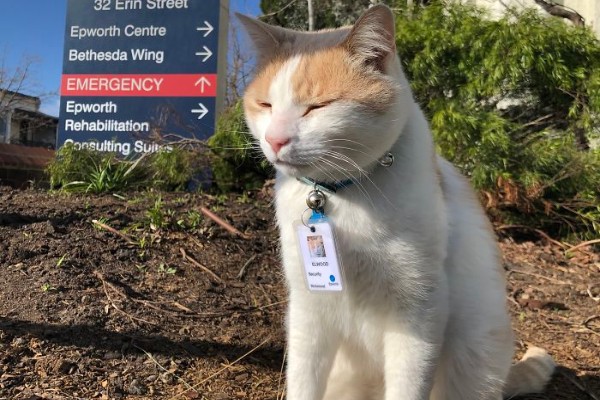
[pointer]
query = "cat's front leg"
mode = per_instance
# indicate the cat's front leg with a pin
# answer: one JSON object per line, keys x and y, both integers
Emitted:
{"x": 411, "y": 354}
{"x": 311, "y": 350}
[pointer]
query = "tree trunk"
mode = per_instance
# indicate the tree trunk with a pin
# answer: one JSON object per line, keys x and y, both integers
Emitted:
{"x": 581, "y": 139}
{"x": 311, "y": 16}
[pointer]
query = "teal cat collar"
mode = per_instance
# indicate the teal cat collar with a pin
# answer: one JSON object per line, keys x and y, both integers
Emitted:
{"x": 331, "y": 188}
{"x": 386, "y": 161}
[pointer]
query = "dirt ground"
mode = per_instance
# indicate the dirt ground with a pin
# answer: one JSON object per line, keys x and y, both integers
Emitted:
{"x": 174, "y": 306}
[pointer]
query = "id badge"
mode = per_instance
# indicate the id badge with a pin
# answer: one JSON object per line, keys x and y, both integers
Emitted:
{"x": 322, "y": 267}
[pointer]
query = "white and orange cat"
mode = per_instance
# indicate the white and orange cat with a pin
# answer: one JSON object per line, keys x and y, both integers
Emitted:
{"x": 423, "y": 311}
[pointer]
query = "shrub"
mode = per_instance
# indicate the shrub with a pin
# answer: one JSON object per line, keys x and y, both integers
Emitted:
{"x": 237, "y": 163}
{"x": 173, "y": 169}
{"x": 513, "y": 103}
{"x": 84, "y": 170}
{"x": 71, "y": 165}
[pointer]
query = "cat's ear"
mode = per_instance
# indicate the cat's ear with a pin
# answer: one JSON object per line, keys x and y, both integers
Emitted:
{"x": 372, "y": 39}
{"x": 267, "y": 38}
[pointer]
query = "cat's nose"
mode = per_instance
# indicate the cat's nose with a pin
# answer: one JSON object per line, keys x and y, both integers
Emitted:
{"x": 277, "y": 142}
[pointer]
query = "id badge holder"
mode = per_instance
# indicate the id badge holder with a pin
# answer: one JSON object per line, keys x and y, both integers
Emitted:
{"x": 320, "y": 259}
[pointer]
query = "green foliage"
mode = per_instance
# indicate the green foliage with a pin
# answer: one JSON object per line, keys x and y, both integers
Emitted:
{"x": 157, "y": 216}
{"x": 84, "y": 170}
{"x": 513, "y": 103}
{"x": 71, "y": 165}
{"x": 46, "y": 287}
{"x": 111, "y": 175}
{"x": 161, "y": 217}
{"x": 236, "y": 163}
{"x": 193, "y": 219}
{"x": 171, "y": 170}
{"x": 165, "y": 269}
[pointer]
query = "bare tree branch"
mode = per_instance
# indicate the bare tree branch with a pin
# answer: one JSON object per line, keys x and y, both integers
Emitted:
{"x": 558, "y": 10}
{"x": 278, "y": 11}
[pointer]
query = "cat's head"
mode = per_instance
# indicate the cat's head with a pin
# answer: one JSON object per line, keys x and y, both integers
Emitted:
{"x": 327, "y": 104}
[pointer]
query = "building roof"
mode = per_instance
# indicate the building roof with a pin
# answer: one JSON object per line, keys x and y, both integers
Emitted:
{"x": 35, "y": 114}
{"x": 14, "y": 156}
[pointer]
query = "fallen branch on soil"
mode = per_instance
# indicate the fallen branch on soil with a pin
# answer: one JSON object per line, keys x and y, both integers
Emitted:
{"x": 589, "y": 292}
{"x": 106, "y": 284}
{"x": 557, "y": 319}
{"x": 148, "y": 303}
{"x": 272, "y": 305}
{"x": 511, "y": 298}
{"x": 539, "y": 232}
{"x": 230, "y": 228}
{"x": 584, "y": 244}
{"x": 281, "y": 375}
{"x": 163, "y": 368}
{"x": 188, "y": 312}
{"x": 116, "y": 232}
{"x": 228, "y": 366}
{"x": 558, "y": 282}
{"x": 242, "y": 272}
{"x": 202, "y": 267}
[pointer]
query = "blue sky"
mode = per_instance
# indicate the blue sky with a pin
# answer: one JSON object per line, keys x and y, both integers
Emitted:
{"x": 34, "y": 29}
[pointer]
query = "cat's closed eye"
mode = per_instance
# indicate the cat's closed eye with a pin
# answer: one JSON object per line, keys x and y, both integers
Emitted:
{"x": 263, "y": 104}
{"x": 313, "y": 107}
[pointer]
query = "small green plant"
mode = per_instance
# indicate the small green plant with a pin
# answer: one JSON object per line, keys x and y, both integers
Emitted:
{"x": 46, "y": 287}
{"x": 222, "y": 198}
{"x": 141, "y": 268}
{"x": 244, "y": 198}
{"x": 101, "y": 220}
{"x": 194, "y": 219}
{"x": 165, "y": 269}
{"x": 113, "y": 175}
{"x": 158, "y": 217}
{"x": 61, "y": 260}
{"x": 143, "y": 242}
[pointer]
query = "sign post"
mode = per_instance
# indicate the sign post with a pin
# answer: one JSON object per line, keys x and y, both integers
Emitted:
{"x": 137, "y": 73}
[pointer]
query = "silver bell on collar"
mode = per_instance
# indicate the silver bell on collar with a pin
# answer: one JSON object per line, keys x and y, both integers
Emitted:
{"x": 316, "y": 200}
{"x": 387, "y": 160}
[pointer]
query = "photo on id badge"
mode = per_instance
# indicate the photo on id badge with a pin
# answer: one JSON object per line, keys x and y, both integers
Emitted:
{"x": 316, "y": 247}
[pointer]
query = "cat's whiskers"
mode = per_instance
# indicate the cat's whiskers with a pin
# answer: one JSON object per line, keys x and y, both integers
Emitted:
{"x": 328, "y": 174}
{"x": 357, "y": 181}
{"x": 322, "y": 170}
{"x": 343, "y": 157}
{"x": 347, "y": 140}
{"x": 345, "y": 172}
{"x": 369, "y": 156}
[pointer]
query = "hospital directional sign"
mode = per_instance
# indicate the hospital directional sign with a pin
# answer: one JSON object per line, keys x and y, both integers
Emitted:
{"x": 138, "y": 70}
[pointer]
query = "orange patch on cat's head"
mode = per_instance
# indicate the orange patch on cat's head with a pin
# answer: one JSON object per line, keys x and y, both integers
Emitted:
{"x": 332, "y": 75}
{"x": 325, "y": 76}
{"x": 258, "y": 89}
